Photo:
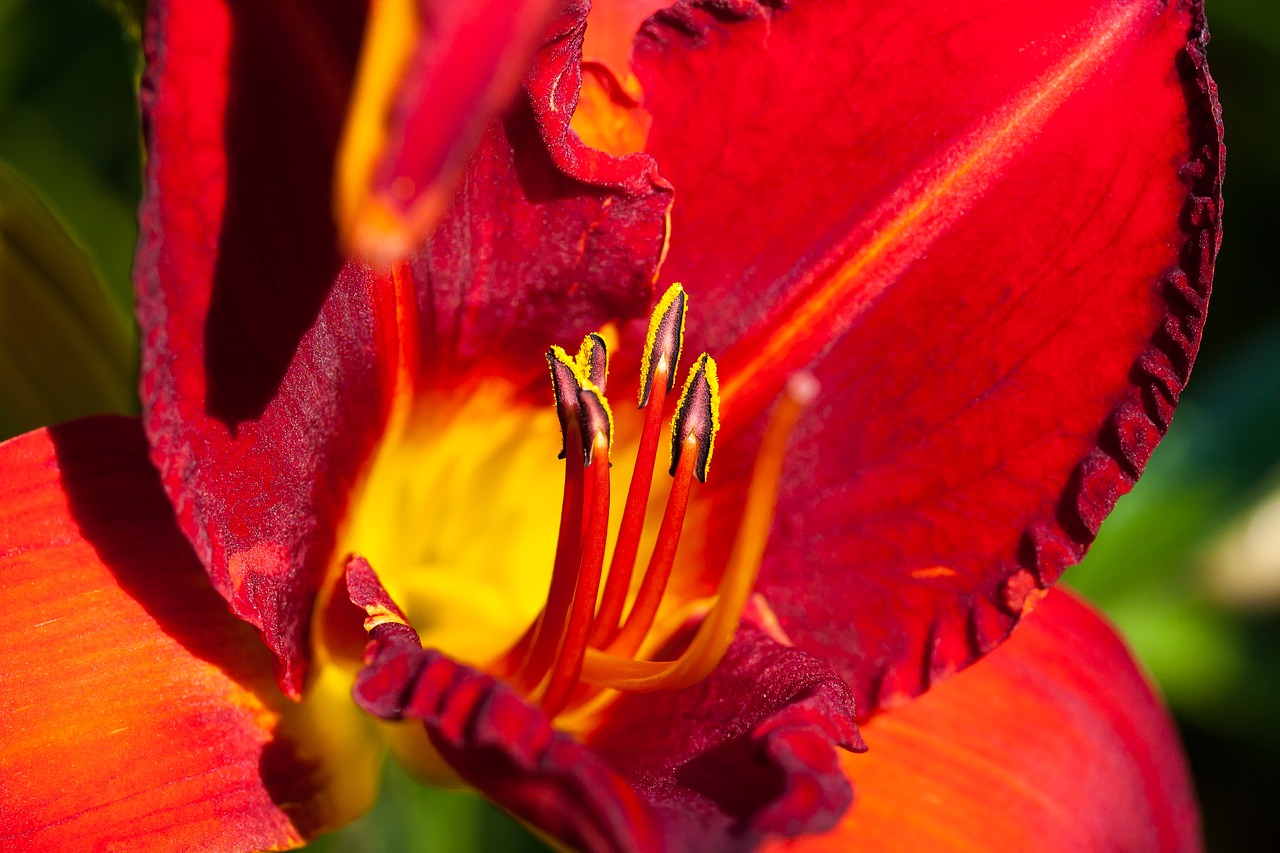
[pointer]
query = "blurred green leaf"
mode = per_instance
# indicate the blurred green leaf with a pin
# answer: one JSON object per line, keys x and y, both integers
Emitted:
{"x": 69, "y": 122}
{"x": 66, "y": 349}
{"x": 132, "y": 14}
{"x": 1147, "y": 569}
{"x": 412, "y": 816}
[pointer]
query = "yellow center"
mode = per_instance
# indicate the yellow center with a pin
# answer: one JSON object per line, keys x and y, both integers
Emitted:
{"x": 511, "y": 561}
{"x": 458, "y": 515}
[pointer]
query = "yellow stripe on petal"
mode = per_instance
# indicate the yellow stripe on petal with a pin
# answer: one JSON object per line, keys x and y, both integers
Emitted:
{"x": 390, "y": 36}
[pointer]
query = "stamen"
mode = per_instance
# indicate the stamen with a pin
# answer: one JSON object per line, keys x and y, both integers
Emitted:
{"x": 697, "y": 415}
{"x": 693, "y": 432}
{"x": 576, "y": 649}
{"x": 657, "y": 371}
{"x": 596, "y": 419}
{"x": 568, "y": 667}
{"x": 645, "y": 608}
{"x": 718, "y": 627}
{"x": 532, "y": 655}
{"x": 566, "y": 382}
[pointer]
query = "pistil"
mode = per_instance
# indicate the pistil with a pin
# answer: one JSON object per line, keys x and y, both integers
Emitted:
{"x": 717, "y": 628}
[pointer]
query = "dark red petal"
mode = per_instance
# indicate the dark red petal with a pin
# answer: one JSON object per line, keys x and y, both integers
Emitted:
{"x": 546, "y": 238}
{"x": 1054, "y": 742}
{"x": 268, "y": 365}
{"x": 265, "y": 363}
{"x": 747, "y": 752}
{"x": 553, "y": 85}
{"x": 137, "y": 711}
{"x": 527, "y": 256}
{"x": 1002, "y": 221}
{"x": 495, "y": 740}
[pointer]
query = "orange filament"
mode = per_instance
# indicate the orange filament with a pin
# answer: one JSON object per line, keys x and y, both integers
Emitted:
{"x": 533, "y": 653}
{"x": 625, "y": 549}
{"x": 640, "y": 619}
{"x": 564, "y": 677}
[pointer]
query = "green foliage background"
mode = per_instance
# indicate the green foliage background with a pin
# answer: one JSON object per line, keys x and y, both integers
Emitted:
{"x": 69, "y": 127}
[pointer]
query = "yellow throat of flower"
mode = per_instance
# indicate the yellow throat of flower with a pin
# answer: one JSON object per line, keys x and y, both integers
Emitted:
{"x": 506, "y": 564}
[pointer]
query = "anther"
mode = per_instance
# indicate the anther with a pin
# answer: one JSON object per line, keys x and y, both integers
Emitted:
{"x": 532, "y": 655}
{"x": 657, "y": 377}
{"x": 566, "y": 382}
{"x": 593, "y": 360}
{"x": 595, "y": 419}
{"x": 664, "y": 341}
{"x": 697, "y": 416}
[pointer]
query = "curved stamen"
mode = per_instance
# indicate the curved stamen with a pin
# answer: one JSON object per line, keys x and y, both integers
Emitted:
{"x": 579, "y": 646}
{"x": 645, "y": 608}
{"x": 657, "y": 377}
{"x": 564, "y": 676}
{"x": 533, "y": 655}
{"x": 716, "y": 631}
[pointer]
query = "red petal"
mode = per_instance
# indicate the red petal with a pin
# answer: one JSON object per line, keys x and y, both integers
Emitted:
{"x": 527, "y": 256}
{"x": 1054, "y": 742}
{"x": 268, "y": 366}
{"x": 990, "y": 229}
{"x": 747, "y": 752}
{"x": 546, "y": 237}
{"x": 261, "y": 395}
{"x": 553, "y": 84}
{"x": 496, "y": 741}
{"x": 137, "y": 710}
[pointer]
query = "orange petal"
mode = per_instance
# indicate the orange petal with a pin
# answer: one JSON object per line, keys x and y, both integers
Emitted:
{"x": 137, "y": 710}
{"x": 1053, "y": 742}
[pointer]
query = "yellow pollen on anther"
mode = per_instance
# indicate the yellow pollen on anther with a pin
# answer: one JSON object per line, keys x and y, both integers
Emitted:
{"x": 698, "y": 413}
{"x": 664, "y": 341}
{"x": 593, "y": 360}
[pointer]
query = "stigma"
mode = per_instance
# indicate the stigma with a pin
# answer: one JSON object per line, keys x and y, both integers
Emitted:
{"x": 588, "y": 636}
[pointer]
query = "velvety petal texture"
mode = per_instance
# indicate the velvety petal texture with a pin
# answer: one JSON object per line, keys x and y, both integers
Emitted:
{"x": 752, "y": 751}
{"x": 554, "y": 86}
{"x": 270, "y": 365}
{"x": 262, "y": 389}
{"x": 528, "y": 256}
{"x": 748, "y": 752}
{"x": 989, "y": 229}
{"x": 1054, "y": 742}
{"x": 137, "y": 711}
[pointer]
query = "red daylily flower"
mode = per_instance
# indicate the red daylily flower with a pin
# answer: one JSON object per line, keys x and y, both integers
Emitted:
{"x": 988, "y": 233}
